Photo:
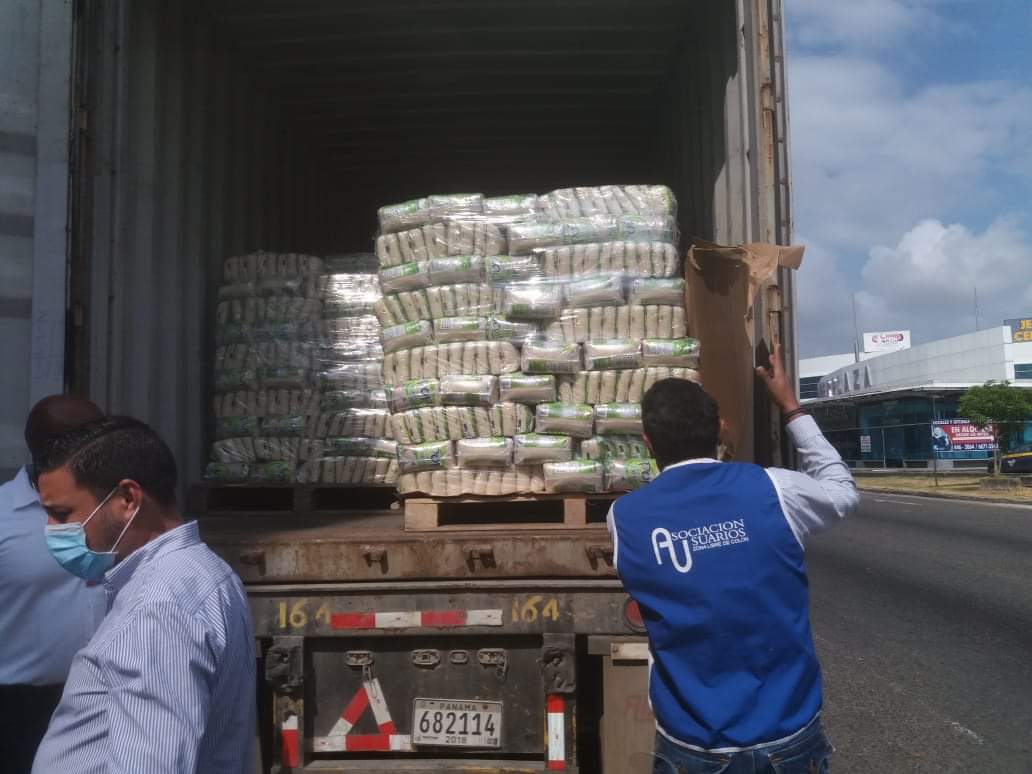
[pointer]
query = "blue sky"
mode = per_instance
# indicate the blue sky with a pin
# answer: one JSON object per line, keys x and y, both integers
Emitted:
{"x": 911, "y": 140}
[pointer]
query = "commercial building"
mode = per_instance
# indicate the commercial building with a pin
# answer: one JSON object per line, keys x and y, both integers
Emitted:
{"x": 884, "y": 410}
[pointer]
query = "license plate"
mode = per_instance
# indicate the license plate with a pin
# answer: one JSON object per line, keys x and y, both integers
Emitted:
{"x": 454, "y": 723}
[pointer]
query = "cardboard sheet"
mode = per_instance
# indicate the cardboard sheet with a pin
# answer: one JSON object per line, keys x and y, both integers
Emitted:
{"x": 721, "y": 286}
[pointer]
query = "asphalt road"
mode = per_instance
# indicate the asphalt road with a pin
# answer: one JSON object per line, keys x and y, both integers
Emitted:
{"x": 922, "y": 614}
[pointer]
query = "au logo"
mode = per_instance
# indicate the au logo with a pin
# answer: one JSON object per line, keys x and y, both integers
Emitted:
{"x": 661, "y": 538}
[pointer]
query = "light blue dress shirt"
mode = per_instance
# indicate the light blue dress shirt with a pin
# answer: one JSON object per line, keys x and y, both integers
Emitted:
{"x": 167, "y": 684}
{"x": 46, "y": 613}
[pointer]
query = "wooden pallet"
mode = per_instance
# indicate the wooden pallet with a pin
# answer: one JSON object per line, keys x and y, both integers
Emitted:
{"x": 560, "y": 511}
{"x": 209, "y": 499}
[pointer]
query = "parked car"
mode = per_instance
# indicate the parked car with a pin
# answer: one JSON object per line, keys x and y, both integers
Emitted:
{"x": 1017, "y": 461}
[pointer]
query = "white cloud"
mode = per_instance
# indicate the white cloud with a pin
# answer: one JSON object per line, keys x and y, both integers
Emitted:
{"x": 869, "y": 24}
{"x": 871, "y": 159}
{"x": 933, "y": 269}
{"x": 873, "y": 22}
{"x": 924, "y": 282}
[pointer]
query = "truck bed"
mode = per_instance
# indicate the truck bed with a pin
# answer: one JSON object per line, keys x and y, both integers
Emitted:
{"x": 373, "y": 546}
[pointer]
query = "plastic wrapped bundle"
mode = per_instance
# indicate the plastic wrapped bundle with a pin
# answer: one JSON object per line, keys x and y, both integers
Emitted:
{"x": 575, "y": 476}
{"x": 550, "y": 357}
{"x": 683, "y": 353}
{"x": 657, "y": 291}
{"x": 608, "y": 199}
{"x": 536, "y": 448}
{"x": 478, "y": 452}
{"x": 609, "y": 354}
{"x": 425, "y": 456}
{"x": 528, "y": 388}
{"x": 413, "y": 394}
{"x": 653, "y": 259}
{"x": 565, "y": 419}
{"x": 469, "y": 390}
{"x": 618, "y": 418}
{"x": 614, "y": 446}
{"x": 459, "y": 358}
{"x": 546, "y": 232}
{"x": 627, "y": 474}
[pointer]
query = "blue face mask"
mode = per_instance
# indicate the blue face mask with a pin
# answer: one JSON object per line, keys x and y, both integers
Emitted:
{"x": 67, "y": 544}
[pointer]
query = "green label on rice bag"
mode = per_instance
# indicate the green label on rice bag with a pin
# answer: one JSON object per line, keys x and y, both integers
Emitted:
{"x": 236, "y": 427}
{"x": 276, "y": 470}
{"x": 542, "y": 441}
{"x": 565, "y": 410}
{"x": 638, "y": 472}
{"x": 284, "y": 427}
{"x": 227, "y": 471}
{"x": 618, "y": 411}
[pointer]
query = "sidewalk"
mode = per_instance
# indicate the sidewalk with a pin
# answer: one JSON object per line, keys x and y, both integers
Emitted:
{"x": 953, "y": 487}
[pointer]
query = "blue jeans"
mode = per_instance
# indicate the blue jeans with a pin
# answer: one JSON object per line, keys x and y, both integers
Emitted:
{"x": 806, "y": 753}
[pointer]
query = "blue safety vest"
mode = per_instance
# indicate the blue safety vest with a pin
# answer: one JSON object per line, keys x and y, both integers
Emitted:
{"x": 706, "y": 552}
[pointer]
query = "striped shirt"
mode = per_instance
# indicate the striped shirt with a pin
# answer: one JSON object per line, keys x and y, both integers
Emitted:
{"x": 167, "y": 684}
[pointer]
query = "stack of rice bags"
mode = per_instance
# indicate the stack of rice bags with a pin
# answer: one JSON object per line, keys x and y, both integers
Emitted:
{"x": 298, "y": 386}
{"x": 521, "y": 332}
{"x": 351, "y": 439}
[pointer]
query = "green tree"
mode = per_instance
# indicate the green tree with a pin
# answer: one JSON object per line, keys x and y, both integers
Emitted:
{"x": 1000, "y": 406}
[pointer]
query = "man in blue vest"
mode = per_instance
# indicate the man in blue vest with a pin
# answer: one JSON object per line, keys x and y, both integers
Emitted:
{"x": 713, "y": 553}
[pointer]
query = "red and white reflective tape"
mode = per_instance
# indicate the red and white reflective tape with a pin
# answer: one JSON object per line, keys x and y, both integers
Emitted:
{"x": 379, "y": 704}
{"x": 370, "y": 694}
{"x": 363, "y": 743}
{"x": 416, "y": 619}
{"x": 290, "y": 743}
{"x": 556, "y": 708}
{"x": 351, "y": 713}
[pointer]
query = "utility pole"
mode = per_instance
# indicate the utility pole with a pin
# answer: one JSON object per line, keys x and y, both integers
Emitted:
{"x": 856, "y": 334}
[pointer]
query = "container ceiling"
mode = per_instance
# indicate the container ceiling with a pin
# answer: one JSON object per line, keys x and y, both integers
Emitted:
{"x": 461, "y": 81}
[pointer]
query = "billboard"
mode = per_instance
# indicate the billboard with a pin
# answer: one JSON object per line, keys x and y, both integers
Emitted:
{"x": 886, "y": 341}
{"x": 1021, "y": 329}
{"x": 961, "y": 435}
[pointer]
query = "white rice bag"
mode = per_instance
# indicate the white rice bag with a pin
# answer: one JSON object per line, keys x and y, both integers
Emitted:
{"x": 574, "y": 419}
{"x": 575, "y": 476}
{"x": 396, "y": 217}
{"x": 451, "y": 329}
{"x": 407, "y": 276}
{"x": 502, "y": 269}
{"x": 412, "y": 334}
{"x": 460, "y": 390}
{"x": 436, "y": 455}
{"x": 624, "y": 475}
{"x": 500, "y": 328}
{"x": 600, "y": 290}
{"x": 537, "y": 448}
{"x": 474, "y": 452}
{"x": 603, "y": 354}
{"x": 532, "y": 300}
{"x": 457, "y": 269}
{"x": 682, "y": 353}
{"x": 550, "y": 357}
{"x": 657, "y": 291}
{"x": 527, "y": 388}
{"x": 414, "y": 394}
{"x": 618, "y": 419}
{"x": 607, "y": 447}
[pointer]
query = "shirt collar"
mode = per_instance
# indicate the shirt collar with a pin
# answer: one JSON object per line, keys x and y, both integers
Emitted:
{"x": 118, "y": 576}
{"x": 23, "y": 494}
{"x": 696, "y": 461}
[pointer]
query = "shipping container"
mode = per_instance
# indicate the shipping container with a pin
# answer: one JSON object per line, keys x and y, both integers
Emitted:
{"x": 147, "y": 141}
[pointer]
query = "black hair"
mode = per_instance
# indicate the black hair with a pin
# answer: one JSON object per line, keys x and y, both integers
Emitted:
{"x": 105, "y": 451}
{"x": 681, "y": 421}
